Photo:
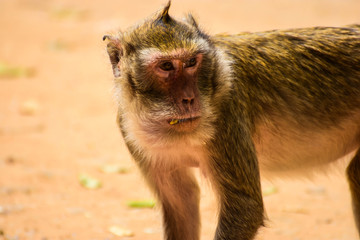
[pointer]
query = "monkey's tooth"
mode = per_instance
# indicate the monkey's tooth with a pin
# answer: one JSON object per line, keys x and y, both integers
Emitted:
{"x": 174, "y": 121}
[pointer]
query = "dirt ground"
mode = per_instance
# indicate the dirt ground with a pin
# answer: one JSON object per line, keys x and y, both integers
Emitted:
{"x": 57, "y": 121}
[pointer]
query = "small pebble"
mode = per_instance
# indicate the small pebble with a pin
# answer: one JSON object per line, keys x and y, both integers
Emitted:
{"x": 316, "y": 190}
{"x": 121, "y": 232}
{"x": 29, "y": 107}
{"x": 10, "y": 160}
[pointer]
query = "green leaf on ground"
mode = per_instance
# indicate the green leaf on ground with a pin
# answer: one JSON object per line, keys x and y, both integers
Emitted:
{"x": 141, "y": 204}
{"x": 270, "y": 190}
{"x": 9, "y": 71}
{"x": 89, "y": 182}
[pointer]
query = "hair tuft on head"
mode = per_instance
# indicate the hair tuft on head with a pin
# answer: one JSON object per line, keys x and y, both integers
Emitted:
{"x": 164, "y": 15}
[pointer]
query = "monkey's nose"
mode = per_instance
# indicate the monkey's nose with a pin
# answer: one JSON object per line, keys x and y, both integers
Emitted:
{"x": 188, "y": 101}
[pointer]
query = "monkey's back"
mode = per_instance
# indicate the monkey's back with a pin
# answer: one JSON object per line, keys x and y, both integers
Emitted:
{"x": 309, "y": 74}
{"x": 301, "y": 91}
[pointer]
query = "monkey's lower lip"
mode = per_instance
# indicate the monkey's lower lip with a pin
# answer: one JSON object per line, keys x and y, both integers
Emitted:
{"x": 176, "y": 121}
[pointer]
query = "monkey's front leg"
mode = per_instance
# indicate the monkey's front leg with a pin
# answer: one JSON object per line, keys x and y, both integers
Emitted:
{"x": 235, "y": 174}
{"x": 178, "y": 192}
{"x": 240, "y": 216}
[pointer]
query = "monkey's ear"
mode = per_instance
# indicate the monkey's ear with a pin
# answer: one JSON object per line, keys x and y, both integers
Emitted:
{"x": 115, "y": 51}
{"x": 164, "y": 16}
{"x": 191, "y": 20}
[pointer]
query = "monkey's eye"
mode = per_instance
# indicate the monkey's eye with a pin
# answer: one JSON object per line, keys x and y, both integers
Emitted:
{"x": 166, "y": 66}
{"x": 191, "y": 62}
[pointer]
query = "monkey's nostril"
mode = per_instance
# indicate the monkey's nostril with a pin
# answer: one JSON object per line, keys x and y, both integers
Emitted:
{"x": 188, "y": 101}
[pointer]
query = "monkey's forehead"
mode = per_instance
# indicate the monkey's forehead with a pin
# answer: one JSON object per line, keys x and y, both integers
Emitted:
{"x": 153, "y": 34}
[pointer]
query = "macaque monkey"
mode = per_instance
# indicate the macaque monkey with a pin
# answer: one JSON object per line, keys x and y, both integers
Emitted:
{"x": 283, "y": 101}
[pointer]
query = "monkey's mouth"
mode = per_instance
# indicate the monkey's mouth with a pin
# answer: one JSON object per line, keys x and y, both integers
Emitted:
{"x": 176, "y": 121}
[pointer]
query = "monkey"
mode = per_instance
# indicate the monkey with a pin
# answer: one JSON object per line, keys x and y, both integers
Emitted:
{"x": 279, "y": 102}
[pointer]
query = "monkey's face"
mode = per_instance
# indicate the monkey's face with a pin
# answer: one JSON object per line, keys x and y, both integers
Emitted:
{"x": 171, "y": 82}
{"x": 170, "y": 91}
{"x": 166, "y": 73}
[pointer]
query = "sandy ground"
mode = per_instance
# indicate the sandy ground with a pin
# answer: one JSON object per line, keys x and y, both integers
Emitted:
{"x": 57, "y": 121}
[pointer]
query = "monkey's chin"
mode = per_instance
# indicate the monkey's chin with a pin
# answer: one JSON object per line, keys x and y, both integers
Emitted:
{"x": 184, "y": 124}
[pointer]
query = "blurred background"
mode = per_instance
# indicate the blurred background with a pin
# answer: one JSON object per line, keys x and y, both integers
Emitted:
{"x": 65, "y": 173}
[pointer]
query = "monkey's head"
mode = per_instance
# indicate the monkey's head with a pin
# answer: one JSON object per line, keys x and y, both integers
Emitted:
{"x": 167, "y": 76}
